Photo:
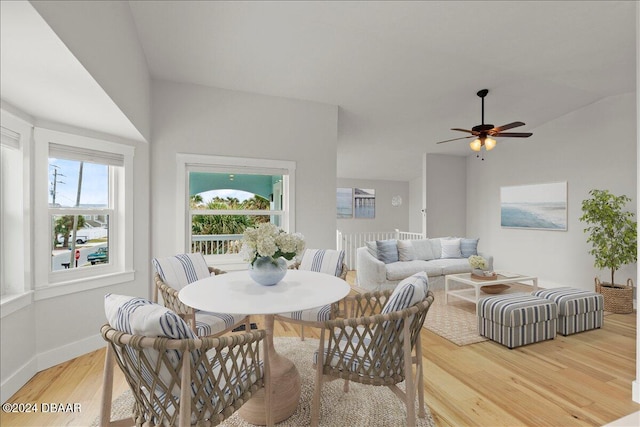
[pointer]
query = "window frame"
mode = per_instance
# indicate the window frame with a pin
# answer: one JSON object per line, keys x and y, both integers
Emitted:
{"x": 239, "y": 165}
{"x": 16, "y": 274}
{"x": 120, "y": 267}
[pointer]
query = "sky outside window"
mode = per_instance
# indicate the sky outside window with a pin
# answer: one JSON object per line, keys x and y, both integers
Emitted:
{"x": 95, "y": 183}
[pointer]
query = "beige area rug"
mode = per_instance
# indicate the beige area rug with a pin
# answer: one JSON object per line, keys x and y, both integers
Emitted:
{"x": 457, "y": 321}
{"x": 362, "y": 406}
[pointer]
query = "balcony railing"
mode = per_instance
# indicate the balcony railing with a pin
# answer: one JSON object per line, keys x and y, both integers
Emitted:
{"x": 216, "y": 244}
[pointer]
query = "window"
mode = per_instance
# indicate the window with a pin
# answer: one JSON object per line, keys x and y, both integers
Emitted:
{"x": 11, "y": 213}
{"x": 80, "y": 205}
{"x": 229, "y": 204}
{"x": 223, "y": 196}
{"x": 86, "y": 231}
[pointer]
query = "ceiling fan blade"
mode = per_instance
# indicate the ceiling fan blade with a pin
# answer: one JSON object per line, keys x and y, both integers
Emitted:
{"x": 465, "y": 130}
{"x": 505, "y": 127}
{"x": 455, "y": 139}
{"x": 514, "y": 134}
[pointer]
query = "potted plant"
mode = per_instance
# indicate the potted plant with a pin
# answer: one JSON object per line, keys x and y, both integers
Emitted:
{"x": 612, "y": 234}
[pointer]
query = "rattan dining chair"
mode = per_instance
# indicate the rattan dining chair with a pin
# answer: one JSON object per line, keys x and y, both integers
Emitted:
{"x": 329, "y": 261}
{"x": 176, "y": 378}
{"x": 377, "y": 349}
{"x": 174, "y": 273}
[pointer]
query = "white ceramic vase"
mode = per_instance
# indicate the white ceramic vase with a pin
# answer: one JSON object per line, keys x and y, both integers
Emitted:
{"x": 268, "y": 271}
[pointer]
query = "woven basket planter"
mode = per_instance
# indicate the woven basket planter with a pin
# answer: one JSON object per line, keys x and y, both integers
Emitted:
{"x": 617, "y": 298}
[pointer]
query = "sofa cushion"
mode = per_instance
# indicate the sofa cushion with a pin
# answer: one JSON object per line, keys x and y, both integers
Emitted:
{"x": 401, "y": 270}
{"x": 405, "y": 251}
{"x": 450, "y": 248}
{"x": 387, "y": 250}
{"x": 422, "y": 249}
{"x": 436, "y": 248}
{"x": 468, "y": 247}
{"x": 451, "y": 265}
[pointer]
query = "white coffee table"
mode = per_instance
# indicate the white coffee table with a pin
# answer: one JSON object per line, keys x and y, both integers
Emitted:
{"x": 472, "y": 293}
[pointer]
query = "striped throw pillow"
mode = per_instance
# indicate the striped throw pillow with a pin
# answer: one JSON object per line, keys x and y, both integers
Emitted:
{"x": 327, "y": 261}
{"x": 180, "y": 270}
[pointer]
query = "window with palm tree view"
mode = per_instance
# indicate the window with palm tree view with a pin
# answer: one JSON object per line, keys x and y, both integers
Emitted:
{"x": 223, "y": 205}
{"x": 79, "y": 211}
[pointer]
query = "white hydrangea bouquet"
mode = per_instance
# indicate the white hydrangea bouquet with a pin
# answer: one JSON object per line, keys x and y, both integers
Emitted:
{"x": 267, "y": 240}
{"x": 479, "y": 267}
{"x": 478, "y": 262}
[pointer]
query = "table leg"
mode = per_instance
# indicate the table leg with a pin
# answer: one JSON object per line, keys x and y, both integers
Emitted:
{"x": 446, "y": 290}
{"x": 285, "y": 387}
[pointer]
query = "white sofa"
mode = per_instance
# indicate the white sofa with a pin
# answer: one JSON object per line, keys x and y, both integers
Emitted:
{"x": 377, "y": 272}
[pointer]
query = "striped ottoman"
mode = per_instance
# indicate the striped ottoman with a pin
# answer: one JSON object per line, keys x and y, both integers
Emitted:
{"x": 517, "y": 319}
{"x": 578, "y": 310}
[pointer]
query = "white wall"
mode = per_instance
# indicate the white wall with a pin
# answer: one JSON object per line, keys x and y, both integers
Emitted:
{"x": 594, "y": 147}
{"x": 203, "y": 120}
{"x": 387, "y": 217}
{"x": 103, "y": 37}
{"x": 446, "y": 193}
{"x": 415, "y": 205}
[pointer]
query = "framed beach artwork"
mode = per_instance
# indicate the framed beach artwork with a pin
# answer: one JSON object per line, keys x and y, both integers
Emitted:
{"x": 344, "y": 202}
{"x": 536, "y": 206}
{"x": 364, "y": 203}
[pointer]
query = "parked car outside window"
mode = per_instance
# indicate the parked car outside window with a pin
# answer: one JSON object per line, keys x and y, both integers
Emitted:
{"x": 101, "y": 255}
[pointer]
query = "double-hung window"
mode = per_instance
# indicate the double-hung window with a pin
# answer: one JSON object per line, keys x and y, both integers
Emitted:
{"x": 225, "y": 195}
{"x": 13, "y": 232}
{"x": 88, "y": 226}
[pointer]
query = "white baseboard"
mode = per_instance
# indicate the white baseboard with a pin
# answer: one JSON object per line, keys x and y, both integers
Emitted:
{"x": 635, "y": 391}
{"x": 67, "y": 352}
{"x": 18, "y": 379}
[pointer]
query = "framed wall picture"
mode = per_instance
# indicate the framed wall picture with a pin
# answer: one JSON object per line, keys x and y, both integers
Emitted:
{"x": 536, "y": 206}
{"x": 364, "y": 203}
{"x": 344, "y": 202}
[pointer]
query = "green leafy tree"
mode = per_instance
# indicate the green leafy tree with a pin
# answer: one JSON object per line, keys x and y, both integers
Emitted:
{"x": 612, "y": 231}
{"x": 64, "y": 226}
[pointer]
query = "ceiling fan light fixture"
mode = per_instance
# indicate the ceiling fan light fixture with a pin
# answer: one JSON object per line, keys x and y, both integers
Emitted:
{"x": 489, "y": 143}
{"x": 476, "y": 145}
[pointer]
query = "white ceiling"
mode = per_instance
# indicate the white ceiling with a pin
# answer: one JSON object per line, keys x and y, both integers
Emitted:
{"x": 402, "y": 73}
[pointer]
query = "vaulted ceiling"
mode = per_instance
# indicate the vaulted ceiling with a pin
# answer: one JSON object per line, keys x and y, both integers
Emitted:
{"x": 402, "y": 73}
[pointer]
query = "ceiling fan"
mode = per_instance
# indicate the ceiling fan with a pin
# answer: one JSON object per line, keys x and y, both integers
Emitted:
{"x": 484, "y": 133}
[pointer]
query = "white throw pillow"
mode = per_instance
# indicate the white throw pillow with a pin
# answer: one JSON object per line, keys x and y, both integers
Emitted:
{"x": 422, "y": 249}
{"x": 436, "y": 248}
{"x": 405, "y": 250}
{"x": 450, "y": 248}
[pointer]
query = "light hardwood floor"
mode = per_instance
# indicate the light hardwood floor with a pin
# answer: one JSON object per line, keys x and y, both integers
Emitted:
{"x": 579, "y": 380}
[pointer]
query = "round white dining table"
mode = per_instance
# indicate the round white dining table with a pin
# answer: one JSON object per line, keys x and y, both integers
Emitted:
{"x": 237, "y": 293}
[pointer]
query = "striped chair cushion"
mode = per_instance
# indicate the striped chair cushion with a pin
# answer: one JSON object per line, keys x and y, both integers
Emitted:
{"x": 410, "y": 291}
{"x": 516, "y": 309}
{"x": 319, "y": 314}
{"x": 209, "y": 323}
{"x": 180, "y": 270}
{"x": 572, "y": 301}
{"x": 139, "y": 316}
{"x": 327, "y": 261}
